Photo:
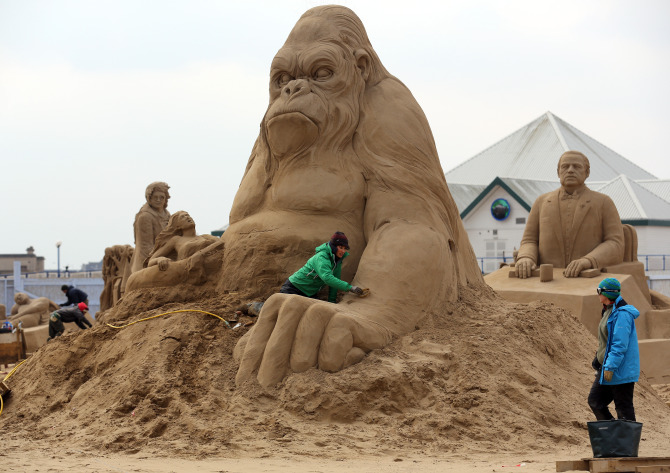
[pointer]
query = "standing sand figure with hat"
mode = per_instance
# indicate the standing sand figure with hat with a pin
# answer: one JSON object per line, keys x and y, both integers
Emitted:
{"x": 617, "y": 360}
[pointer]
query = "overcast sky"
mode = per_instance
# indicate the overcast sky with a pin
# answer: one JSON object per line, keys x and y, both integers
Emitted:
{"x": 100, "y": 98}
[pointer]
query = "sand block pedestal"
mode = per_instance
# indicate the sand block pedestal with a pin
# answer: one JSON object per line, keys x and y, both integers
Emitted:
{"x": 35, "y": 337}
{"x": 656, "y": 355}
{"x": 579, "y": 296}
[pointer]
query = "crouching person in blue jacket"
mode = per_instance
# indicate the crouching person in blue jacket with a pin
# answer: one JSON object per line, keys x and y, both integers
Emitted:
{"x": 617, "y": 361}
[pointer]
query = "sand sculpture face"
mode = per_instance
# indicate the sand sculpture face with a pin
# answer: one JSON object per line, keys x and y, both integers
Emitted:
{"x": 157, "y": 195}
{"x": 343, "y": 146}
{"x": 315, "y": 90}
{"x": 573, "y": 227}
{"x": 21, "y": 299}
{"x": 573, "y": 169}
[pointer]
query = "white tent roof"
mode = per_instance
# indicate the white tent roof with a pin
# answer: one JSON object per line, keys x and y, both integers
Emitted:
{"x": 635, "y": 202}
{"x": 532, "y": 152}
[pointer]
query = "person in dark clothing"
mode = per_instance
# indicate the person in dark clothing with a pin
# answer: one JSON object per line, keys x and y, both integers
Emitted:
{"x": 617, "y": 360}
{"x": 69, "y": 314}
{"x": 74, "y": 296}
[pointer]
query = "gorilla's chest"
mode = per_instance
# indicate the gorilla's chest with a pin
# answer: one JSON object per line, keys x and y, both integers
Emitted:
{"x": 316, "y": 189}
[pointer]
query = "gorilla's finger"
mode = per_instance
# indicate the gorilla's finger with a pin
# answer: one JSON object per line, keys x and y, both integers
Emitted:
{"x": 304, "y": 354}
{"x": 343, "y": 333}
{"x": 258, "y": 338}
{"x": 335, "y": 345}
{"x": 354, "y": 356}
{"x": 274, "y": 365}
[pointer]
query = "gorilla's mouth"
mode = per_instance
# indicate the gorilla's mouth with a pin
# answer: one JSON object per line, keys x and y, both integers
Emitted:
{"x": 290, "y": 133}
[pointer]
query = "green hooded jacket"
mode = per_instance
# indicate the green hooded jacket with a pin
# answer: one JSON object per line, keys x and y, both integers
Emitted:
{"x": 321, "y": 270}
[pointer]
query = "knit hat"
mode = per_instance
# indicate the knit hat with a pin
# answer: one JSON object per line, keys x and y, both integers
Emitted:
{"x": 82, "y": 306}
{"x": 339, "y": 239}
{"x": 610, "y": 288}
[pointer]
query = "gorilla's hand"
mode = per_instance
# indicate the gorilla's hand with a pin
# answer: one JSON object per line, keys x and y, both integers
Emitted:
{"x": 295, "y": 333}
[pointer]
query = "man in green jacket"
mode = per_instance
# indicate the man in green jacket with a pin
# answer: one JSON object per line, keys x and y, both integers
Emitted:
{"x": 322, "y": 269}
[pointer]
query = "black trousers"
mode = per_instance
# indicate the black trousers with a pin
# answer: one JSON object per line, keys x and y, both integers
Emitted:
{"x": 602, "y": 395}
{"x": 289, "y": 288}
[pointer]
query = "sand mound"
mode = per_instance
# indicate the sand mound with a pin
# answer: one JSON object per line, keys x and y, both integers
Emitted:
{"x": 484, "y": 375}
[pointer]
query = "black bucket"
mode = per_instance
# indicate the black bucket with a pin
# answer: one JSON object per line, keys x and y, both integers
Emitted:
{"x": 614, "y": 438}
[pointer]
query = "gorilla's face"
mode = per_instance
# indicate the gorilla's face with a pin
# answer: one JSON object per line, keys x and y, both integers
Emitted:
{"x": 315, "y": 91}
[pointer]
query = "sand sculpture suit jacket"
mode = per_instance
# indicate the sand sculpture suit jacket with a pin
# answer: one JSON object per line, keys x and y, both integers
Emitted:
{"x": 596, "y": 232}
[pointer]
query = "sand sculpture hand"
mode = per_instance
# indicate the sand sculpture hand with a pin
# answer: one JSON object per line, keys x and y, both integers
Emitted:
{"x": 294, "y": 334}
{"x": 575, "y": 267}
{"x": 163, "y": 263}
{"x": 524, "y": 268}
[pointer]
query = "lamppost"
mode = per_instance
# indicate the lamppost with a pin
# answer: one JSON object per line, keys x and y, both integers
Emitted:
{"x": 58, "y": 244}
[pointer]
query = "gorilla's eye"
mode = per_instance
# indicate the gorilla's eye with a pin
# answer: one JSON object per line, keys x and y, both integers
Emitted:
{"x": 283, "y": 79}
{"x": 323, "y": 73}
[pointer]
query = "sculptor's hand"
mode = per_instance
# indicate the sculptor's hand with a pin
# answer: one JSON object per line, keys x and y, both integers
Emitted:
{"x": 575, "y": 267}
{"x": 607, "y": 376}
{"x": 295, "y": 333}
{"x": 524, "y": 268}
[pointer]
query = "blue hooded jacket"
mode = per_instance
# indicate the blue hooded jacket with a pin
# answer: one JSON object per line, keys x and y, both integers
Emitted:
{"x": 622, "y": 355}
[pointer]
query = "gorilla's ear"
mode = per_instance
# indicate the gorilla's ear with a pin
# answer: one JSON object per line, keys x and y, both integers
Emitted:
{"x": 363, "y": 63}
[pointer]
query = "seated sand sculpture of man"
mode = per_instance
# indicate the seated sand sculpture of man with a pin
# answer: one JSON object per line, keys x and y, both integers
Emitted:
{"x": 344, "y": 145}
{"x": 31, "y": 312}
{"x": 177, "y": 257}
{"x": 572, "y": 227}
{"x": 149, "y": 221}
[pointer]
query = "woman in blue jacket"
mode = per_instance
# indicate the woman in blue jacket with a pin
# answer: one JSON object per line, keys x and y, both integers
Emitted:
{"x": 617, "y": 361}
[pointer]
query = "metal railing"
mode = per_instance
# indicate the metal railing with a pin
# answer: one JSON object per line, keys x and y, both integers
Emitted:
{"x": 53, "y": 274}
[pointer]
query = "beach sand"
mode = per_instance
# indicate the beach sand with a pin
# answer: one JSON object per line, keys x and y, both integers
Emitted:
{"x": 483, "y": 386}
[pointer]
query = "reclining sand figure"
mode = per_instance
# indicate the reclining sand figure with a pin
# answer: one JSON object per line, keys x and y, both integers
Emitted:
{"x": 177, "y": 256}
{"x": 343, "y": 145}
{"x": 32, "y": 312}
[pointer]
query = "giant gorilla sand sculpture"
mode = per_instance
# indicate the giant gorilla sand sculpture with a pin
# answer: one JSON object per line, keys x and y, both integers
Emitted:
{"x": 343, "y": 146}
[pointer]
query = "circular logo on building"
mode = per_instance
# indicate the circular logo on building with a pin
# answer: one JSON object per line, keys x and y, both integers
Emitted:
{"x": 500, "y": 209}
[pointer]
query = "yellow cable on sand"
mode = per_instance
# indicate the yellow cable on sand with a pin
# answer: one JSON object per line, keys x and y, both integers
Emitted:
{"x": 122, "y": 326}
{"x": 2, "y": 404}
{"x": 172, "y": 312}
{"x": 14, "y": 369}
